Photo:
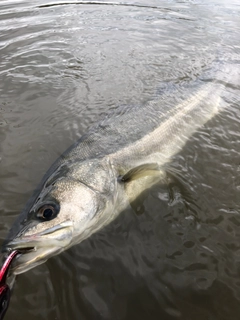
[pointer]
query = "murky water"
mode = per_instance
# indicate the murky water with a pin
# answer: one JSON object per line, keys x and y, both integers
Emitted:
{"x": 63, "y": 66}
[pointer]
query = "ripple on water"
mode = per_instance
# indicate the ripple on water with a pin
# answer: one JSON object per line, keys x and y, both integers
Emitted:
{"x": 175, "y": 252}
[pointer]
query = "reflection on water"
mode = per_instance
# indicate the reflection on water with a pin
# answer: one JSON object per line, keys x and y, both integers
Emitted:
{"x": 63, "y": 66}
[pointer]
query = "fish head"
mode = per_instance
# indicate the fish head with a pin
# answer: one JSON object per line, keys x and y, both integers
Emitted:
{"x": 74, "y": 202}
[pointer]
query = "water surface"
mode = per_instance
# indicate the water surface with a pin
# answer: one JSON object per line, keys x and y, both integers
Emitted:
{"x": 66, "y": 64}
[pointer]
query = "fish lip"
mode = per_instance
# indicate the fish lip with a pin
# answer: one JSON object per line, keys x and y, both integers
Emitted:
{"x": 63, "y": 225}
{"x": 36, "y": 248}
{"x": 34, "y": 241}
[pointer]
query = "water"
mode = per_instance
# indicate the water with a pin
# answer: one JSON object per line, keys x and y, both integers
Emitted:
{"x": 63, "y": 66}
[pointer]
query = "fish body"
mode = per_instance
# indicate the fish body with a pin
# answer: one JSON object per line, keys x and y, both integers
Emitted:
{"x": 96, "y": 178}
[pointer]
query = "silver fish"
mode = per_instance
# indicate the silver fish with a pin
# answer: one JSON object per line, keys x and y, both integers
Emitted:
{"x": 94, "y": 180}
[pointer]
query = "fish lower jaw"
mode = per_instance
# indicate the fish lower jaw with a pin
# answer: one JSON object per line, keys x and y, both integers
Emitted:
{"x": 28, "y": 259}
{"x": 26, "y": 266}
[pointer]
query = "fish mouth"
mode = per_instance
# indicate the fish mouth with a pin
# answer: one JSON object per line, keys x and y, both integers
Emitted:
{"x": 35, "y": 249}
{"x": 25, "y": 250}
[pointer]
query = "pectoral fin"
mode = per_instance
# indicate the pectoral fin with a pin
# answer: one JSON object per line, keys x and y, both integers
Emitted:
{"x": 148, "y": 169}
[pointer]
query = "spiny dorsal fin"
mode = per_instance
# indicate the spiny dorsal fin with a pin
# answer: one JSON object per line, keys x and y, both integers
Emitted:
{"x": 148, "y": 169}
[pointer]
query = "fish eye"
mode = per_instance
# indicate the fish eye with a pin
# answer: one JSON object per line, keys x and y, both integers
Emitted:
{"x": 47, "y": 211}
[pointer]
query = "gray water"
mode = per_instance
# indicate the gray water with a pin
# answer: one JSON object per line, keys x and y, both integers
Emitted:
{"x": 63, "y": 66}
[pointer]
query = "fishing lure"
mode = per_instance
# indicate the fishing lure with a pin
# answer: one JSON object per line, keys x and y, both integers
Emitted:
{"x": 5, "y": 292}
